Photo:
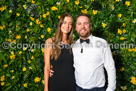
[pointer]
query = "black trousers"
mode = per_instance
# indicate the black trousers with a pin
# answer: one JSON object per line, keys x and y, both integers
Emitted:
{"x": 93, "y": 89}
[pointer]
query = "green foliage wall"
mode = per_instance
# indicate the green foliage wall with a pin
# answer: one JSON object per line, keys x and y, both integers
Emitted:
{"x": 24, "y": 22}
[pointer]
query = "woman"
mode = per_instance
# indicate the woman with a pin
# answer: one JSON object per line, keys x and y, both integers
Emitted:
{"x": 59, "y": 55}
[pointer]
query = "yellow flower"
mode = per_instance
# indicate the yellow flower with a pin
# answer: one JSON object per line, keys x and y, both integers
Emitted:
{"x": 24, "y": 6}
{"x": 2, "y": 78}
{"x": 41, "y": 25}
{"x": 95, "y": 12}
{"x": 18, "y": 37}
{"x": 14, "y": 41}
{"x": 54, "y": 8}
{"x": 12, "y": 57}
{"x": 123, "y": 24}
{"x": 20, "y": 52}
{"x": 135, "y": 49}
{"x": 32, "y": 57}
{"x": 76, "y": 2}
{"x": 12, "y": 53}
{"x": 31, "y": 23}
{"x": 42, "y": 36}
{"x": 33, "y": 1}
{"x": 1, "y": 27}
{"x": 24, "y": 69}
{"x": 1, "y": 9}
{"x": 112, "y": 7}
{"x": 124, "y": 31}
{"x": 68, "y": 1}
{"x": 25, "y": 48}
{"x": 58, "y": 3}
{"x": 2, "y": 83}
{"x": 32, "y": 50}
{"x": 42, "y": 50}
{"x": 130, "y": 50}
{"x": 104, "y": 25}
{"x": 84, "y": 11}
{"x": 37, "y": 21}
{"x": 119, "y": 15}
{"x": 30, "y": 68}
{"x": 123, "y": 87}
{"x": 12, "y": 71}
{"x": 10, "y": 11}
{"x": 133, "y": 80}
{"x": 127, "y": 3}
{"x": 37, "y": 79}
{"x": 5, "y": 7}
{"x": 122, "y": 38}
{"x": 40, "y": 16}
{"x": 119, "y": 31}
{"x": 43, "y": 81}
{"x": 44, "y": 15}
{"x": 49, "y": 29}
{"x": 59, "y": 17}
{"x": 117, "y": 0}
{"x": 27, "y": 29}
{"x": 25, "y": 84}
{"x": 4, "y": 26}
{"x": 9, "y": 40}
{"x": 32, "y": 18}
{"x": 122, "y": 69}
{"x": 134, "y": 21}
{"x": 29, "y": 61}
{"x": 26, "y": 37}
{"x": 81, "y": 7}
{"x": 5, "y": 65}
{"x": 18, "y": 14}
{"x": 47, "y": 13}
{"x": 17, "y": 26}
{"x": 12, "y": 77}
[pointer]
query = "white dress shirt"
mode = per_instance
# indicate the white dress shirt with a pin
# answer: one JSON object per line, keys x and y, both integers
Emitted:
{"x": 89, "y": 65}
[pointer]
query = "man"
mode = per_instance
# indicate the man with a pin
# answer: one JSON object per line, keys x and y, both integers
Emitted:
{"x": 91, "y": 55}
{"x": 90, "y": 59}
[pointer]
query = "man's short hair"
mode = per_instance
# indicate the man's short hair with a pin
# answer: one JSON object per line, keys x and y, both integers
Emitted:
{"x": 84, "y": 15}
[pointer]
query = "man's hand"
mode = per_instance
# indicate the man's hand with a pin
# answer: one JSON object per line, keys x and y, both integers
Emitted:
{"x": 51, "y": 71}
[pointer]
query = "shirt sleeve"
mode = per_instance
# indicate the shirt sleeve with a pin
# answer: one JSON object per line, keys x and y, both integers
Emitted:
{"x": 110, "y": 68}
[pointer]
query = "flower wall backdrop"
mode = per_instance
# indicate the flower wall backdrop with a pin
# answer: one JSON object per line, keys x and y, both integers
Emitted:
{"x": 26, "y": 24}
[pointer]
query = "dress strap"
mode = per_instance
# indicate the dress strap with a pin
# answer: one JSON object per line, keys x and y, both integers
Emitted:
{"x": 52, "y": 40}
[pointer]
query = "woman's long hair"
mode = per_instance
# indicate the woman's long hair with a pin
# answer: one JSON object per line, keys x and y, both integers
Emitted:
{"x": 58, "y": 36}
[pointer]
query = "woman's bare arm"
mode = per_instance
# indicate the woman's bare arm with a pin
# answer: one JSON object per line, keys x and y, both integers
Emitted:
{"x": 47, "y": 54}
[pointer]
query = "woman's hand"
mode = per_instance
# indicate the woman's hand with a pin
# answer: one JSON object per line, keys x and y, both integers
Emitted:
{"x": 51, "y": 71}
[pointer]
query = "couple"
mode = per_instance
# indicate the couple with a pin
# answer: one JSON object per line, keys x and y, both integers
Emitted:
{"x": 79, "y": 68}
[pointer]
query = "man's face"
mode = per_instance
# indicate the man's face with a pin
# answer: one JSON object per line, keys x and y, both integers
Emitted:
{"x": 83, "y": 26}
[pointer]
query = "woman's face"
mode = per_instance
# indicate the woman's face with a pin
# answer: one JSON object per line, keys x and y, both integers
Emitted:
{"x": 66, "y": 25}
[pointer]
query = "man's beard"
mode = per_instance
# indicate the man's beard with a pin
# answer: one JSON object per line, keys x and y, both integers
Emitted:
{"x": 84, "y": 36}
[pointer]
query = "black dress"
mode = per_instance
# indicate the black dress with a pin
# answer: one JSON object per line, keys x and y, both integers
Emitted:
{"x": 63, "y": 78}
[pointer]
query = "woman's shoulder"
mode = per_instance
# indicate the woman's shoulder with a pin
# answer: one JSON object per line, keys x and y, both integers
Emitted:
{"x": 49, "y": 40}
